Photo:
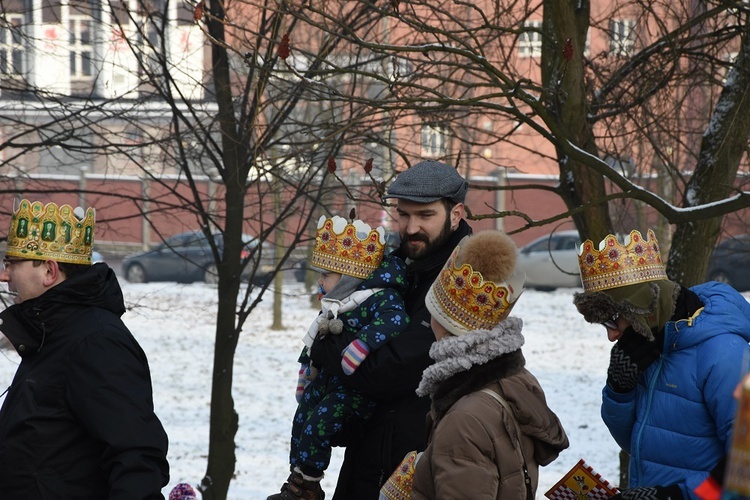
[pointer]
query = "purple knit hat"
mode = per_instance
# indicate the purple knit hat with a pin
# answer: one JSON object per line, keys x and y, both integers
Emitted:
{"x": 183, "y": 491}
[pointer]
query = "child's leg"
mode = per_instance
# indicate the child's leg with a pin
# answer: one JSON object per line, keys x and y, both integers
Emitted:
{"x": 311, "y": 397}
{"x": 334, "y": 411}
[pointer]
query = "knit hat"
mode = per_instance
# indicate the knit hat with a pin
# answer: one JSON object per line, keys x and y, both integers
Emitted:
{"x": 429, "y": 181}
{"x": 183, "y": 491}
{"x": 350, "y": 248}
{"x": 477, "y": 287}
{"x": 628, "y": 280}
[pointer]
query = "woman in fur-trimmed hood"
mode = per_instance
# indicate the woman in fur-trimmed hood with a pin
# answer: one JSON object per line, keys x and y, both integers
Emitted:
{"x": 490, "y": 426}
{"x": 677, "y": 356}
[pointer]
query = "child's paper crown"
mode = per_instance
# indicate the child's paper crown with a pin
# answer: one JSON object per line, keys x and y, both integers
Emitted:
{"x": 615, "y": 264}
{"x": 463, "y": 300}
{"x": 351, "y": 248}
{"x": 49, "y": 232}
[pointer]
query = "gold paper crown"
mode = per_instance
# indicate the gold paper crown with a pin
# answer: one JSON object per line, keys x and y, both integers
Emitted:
{"x": 615, "y": 264}
{"x": 49, "y": 232}
{"x": 352, "y": 248}
{"x": 463, "y": 299}
{"x": 399, "y": 484}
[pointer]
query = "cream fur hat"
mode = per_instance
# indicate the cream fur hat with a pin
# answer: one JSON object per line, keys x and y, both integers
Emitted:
{"x": 478, "y": 286}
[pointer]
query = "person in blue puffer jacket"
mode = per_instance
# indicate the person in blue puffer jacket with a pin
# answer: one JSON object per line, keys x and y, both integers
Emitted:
{"x": 677, "y": 358}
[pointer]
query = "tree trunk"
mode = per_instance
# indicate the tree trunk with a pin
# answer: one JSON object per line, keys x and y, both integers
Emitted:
{"x": 722, "y": 147}
{"x": 278, "y": 280}
{"x": 563, "y": 77}
{"x": 224, "y": 420}
{"x": 624, "y": 470}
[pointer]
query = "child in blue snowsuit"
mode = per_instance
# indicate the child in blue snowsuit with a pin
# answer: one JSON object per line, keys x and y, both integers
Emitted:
{"x": 369, "y": 312}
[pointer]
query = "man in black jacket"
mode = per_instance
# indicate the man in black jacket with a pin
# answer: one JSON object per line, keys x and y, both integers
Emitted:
{"x": 430, "y": 218}
{"x": 78, "y": 419}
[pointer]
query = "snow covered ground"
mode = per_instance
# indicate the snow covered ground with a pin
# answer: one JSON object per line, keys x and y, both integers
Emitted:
{"x": 175, "y": 326}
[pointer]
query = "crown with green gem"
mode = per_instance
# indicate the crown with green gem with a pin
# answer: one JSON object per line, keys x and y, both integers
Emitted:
{"x": 50, "y": 232}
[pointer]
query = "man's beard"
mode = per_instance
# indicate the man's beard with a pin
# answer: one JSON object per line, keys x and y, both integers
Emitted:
{"x": 429, "y": 246}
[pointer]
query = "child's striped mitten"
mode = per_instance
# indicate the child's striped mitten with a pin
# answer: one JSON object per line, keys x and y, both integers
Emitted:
{"x": 353, "y": 355}
{"x": 302, "y": 382}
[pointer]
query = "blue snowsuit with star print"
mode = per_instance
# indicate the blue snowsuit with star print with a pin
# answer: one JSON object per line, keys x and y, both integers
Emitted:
{"x": 328, "y": 404}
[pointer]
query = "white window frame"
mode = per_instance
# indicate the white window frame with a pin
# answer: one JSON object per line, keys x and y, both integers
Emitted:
{"x": 622, "y": 37}
{"x": 12, "y": 44}
{"x": 434, "y": 140}
{"x": 80, "y": 50}
{"x": 530, "y": 40}
{"x": 150, "y": 42}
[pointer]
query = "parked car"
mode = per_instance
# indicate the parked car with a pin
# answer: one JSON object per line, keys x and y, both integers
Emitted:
{"x": 187, "y": 257}
{"x": 551, "y": 261}
{"x": 392, "y": 241}
{"x": 730, "y": 262}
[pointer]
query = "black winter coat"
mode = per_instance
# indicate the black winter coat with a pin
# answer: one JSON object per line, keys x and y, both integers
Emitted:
{"x": 78, "y": 420}
{"x": 390, "y": 375}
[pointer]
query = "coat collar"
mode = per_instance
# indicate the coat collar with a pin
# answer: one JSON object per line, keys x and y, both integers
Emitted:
{"x": 460, "y": 384}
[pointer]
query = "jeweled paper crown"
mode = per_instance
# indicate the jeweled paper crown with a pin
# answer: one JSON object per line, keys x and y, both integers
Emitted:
{"x": 48, "y": 232}
{"x": 467, "y": 301}
{"x": 351, "y": 248}
{"x": 615, "y": 264}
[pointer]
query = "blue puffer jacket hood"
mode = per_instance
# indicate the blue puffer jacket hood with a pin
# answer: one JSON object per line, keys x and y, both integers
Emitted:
{"x": 724, "y": 311}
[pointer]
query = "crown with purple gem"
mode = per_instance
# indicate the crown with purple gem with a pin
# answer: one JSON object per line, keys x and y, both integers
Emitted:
{"x": 465, "y": 301}
{"x": 616, "y": 264}
{"x": 351, "y": 248}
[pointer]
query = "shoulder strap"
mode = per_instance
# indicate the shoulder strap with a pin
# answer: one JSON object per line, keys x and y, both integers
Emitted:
{"x": 519, "y": 447}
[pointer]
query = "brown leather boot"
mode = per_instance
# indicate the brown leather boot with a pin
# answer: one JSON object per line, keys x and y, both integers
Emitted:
{"x": 299, "y": 487}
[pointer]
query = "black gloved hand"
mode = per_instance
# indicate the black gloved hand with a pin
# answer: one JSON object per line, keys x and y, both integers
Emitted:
{"x": 671, "y": 492}
{"x": 630, "y": 356}
{"x": 326, "y": 353}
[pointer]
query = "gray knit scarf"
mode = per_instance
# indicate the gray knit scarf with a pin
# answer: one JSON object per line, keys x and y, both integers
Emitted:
{"x": 459, "y": 353}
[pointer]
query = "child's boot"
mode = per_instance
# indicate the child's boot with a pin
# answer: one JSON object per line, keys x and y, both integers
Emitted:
{"x": 300, "y": 486}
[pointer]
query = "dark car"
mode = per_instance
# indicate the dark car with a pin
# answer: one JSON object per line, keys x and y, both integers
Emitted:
{"x": 551, "y": 261}
{"x": 187, "y": 257}
{"x": 730, "y": 262}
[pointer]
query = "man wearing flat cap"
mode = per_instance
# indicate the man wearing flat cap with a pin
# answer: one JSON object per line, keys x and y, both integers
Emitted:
{"x": 430, "y": 205}
{"x": 678, "y": 355}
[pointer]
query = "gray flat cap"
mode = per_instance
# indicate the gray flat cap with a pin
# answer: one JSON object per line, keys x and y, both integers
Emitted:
{"x": 429, "y": 181}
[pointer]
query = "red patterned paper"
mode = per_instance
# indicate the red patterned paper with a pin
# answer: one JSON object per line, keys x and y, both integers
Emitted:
{"x": 581, "y": 483}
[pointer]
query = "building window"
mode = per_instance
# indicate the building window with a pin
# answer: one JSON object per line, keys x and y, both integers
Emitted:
{"x": 622, "y": 37}
{"x": 12, "y": 52}
{"x": 80, "y": 46}
{"x": 434, "y": 140}
{"x": 530, "y": 41}
{"x": 151, "y": 31}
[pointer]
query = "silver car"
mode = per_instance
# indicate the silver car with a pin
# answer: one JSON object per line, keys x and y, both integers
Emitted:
{"x": 551, "y": 261}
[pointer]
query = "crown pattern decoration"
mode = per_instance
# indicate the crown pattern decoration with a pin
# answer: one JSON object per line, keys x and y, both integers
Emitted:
{"x": 51, "y": 232}
{"x": 351, "y": 248}
{"x": 470, "y": 302}
{"x": 614, "y": 264}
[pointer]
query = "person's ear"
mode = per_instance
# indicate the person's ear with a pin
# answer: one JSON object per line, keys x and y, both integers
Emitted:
{"x": 457, "y": 213}
{"x": 52, "y": 273}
